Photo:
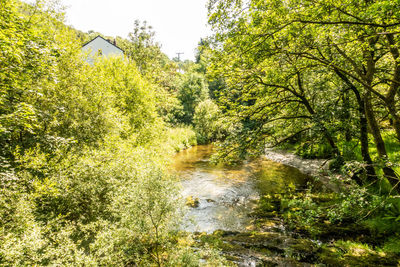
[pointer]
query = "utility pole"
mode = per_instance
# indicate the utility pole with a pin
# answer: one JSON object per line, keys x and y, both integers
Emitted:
{"x": 179, "y": 55}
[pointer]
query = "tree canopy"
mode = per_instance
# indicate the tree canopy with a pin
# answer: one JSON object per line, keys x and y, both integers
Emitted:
{"x": 322, "y": 69}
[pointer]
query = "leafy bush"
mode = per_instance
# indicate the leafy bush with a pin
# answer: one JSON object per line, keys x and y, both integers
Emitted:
{"x": 191, "y": 92}
{"x": 82, "y": 154}
{"x": 208, "y": 122}
{"x": 181, "y": 138}
{"x": 113, "y": 205}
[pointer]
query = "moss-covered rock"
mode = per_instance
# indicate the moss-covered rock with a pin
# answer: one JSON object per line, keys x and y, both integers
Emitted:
{"x": 348, "y": 253}
{"x": 303, "y": 250}
{"x": 192, "y": 202}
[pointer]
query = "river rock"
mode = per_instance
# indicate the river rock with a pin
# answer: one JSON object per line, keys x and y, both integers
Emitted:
{"x": 192, "y": 202}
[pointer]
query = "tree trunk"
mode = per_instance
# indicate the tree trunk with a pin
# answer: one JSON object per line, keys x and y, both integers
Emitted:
{"x": 310, "y": 110}
{"x": 346, "y": 115}
{"x": 371, "y": 174}
{"x": 396, "y": 118}
{"x": 370, "y": 171}
{"x": 394, "y": 87}
{"x": 325, "y": 131}
{"x": 380, "y": 144}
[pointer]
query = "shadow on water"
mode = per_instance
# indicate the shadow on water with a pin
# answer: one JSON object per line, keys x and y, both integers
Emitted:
{"x": 226, "y": 195}
{"x": 226, "y": 198}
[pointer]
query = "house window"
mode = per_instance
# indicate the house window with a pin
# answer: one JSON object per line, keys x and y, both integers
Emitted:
{"x": 99, "y": 52}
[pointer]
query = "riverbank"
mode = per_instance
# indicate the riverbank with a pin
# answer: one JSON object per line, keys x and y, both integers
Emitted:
{"x": 277, "y": 239}
{"x": 291, "y": 223}
{"x": 312, "y": 167}
{"x": 316, "y": 168}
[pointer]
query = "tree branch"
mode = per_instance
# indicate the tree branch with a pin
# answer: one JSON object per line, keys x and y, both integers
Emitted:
{"x": 344, "y": 22}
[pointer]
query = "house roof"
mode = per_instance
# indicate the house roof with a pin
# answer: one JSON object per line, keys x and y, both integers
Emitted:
{"x": 99, "y": 36}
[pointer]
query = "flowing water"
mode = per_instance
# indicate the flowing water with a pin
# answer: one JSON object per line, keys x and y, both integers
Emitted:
{"x": 226, "y": 195}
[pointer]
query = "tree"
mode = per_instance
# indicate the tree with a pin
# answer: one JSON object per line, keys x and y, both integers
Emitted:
{"x": 25, "y": 62}
{"x": 351, "y": 42}
{"x": 208, "y": 122}
{"x": 191, "y": 92}
{"x": 142, "y": 48}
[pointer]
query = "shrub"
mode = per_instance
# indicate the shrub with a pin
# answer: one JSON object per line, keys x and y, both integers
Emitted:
{"x": 208, "y": 122}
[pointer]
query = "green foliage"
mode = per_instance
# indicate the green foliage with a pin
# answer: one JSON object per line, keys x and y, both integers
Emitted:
{"x": 155, "y": 66}
{"x": 385, "y": 220}
{"x": 83, "y": 149}
{"x": 181, "y": 138}
{"x": 208, "y": 122}
{"x": 143, "y": 49}
{"x": 338, "y": 215}
{"x": 310, "y": 149}
{"x": 191, "y": 92}
{"x": 23, "y": 60}
{"x": 115, "y": 202}
{"x": 169, "y": 107}
{"x": 392, "y": 245}
{"x": 298, "y": 72}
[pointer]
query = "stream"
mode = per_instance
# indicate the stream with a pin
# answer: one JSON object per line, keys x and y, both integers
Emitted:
{"x": 226, "y": 195}
{"x": 223, "y": 204}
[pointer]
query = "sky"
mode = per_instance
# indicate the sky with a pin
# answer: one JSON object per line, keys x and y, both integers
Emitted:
{"x": 179, "y": 24}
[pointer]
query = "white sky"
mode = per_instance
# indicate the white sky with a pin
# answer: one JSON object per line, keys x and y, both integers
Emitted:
{"x": 179, "y": 24}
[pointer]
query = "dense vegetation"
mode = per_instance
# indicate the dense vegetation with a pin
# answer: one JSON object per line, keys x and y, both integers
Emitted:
{"x": 84, "y": 147}
{"x": 321, "y": 78}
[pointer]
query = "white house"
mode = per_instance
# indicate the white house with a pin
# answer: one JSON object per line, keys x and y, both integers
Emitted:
{"x": 101, "y": 47}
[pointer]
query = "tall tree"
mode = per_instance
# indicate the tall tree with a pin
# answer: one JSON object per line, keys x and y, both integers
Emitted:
{"x": 351, "y": 40}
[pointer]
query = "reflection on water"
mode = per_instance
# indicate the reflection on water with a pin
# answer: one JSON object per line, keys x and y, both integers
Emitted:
{"x": 226, "y": 194}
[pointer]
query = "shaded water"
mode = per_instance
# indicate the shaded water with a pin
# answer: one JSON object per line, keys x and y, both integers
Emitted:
{"x": 227, "y": 194}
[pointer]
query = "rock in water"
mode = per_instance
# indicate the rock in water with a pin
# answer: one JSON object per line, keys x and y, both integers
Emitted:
{"x": 192, "y": 202}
